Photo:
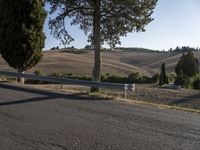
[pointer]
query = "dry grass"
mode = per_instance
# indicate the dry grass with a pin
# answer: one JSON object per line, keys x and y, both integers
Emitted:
{"x": 153, "y": 94}
{"x": 114, "y": 62}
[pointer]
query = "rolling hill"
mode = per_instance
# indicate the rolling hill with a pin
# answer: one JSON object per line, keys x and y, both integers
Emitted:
{"x": 114, "y": 62}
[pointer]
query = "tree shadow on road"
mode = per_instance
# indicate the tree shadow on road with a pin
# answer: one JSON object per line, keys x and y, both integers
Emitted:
{"x": 42, "y": 95}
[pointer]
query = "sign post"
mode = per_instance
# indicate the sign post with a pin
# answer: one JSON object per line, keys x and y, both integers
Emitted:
{"x": 128, "y": 87}
{"x": 125, "y": 90}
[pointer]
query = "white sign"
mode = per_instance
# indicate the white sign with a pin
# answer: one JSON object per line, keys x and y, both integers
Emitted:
{"x": 133, "y": 87}
{"x": 125, "y": 86}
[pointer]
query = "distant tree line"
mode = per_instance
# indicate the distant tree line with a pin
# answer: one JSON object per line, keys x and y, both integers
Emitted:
{"x": 184, "y": 49}
{"x": 136, "y": 49}
{"x": 55, "y": 48}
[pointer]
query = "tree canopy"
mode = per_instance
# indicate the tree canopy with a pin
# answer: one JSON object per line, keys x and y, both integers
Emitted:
{"x": 21, "y": 32}
{"x": 117, "y": 17}
{"x": 188, "y": 65}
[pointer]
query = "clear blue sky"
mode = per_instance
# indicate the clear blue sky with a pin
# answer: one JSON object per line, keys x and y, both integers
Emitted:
{"x": 176, "y": 23}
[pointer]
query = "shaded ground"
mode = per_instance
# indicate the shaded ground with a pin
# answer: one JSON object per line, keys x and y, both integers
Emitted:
{"x": 33, "y": 119}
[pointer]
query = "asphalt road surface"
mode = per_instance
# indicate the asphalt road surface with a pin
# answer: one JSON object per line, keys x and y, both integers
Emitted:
{"x": 33, "y": 119}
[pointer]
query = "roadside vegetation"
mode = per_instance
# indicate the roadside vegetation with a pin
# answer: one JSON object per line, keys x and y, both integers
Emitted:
{"x": 187, "y": 70}
{"x": 107, "y": 77}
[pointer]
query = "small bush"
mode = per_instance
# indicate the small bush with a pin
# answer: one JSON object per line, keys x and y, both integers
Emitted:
{"x": 82, "y": 78}
{"x": 69, "y": 74}
{"x": 116, "y": 79}
{"x": 133, "y": 77}
{"x": 196, "y": 82}
{"x": 38, "y": 72}
{"x": 56, "y": 75}
{"x": 172, "y": 77}
{"x": 2, "y": 78}
{"x": 104, "y": 78}
{"x": 183, "y": 81}
{"x": 155, "y": 78}
{"x": 137, "y": 78}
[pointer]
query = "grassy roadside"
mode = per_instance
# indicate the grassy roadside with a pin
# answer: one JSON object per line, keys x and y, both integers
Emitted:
{"x": 183, "y": 100}
{"x": 180, "y": 99}
{"x": 186, "y": 100}
{"x": 133, "y": 102}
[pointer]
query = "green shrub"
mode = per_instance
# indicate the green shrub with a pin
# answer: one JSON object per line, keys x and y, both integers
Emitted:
{"x": 137, "y": 78}
{"x": 82, "y": 78}
{"x": 107, "y": 77}
{"x": 187, "y": 65}
{"x": 69, "y": 74}
{"x": 3, "y": 78}
{"x": 56, "y": 75}
{"x": 103, "y": 77}
{"x": 155, "y": 78}
{"x": 116, "y": 79}
{"x": 133, "y": 77}
{"x": 172, "y": 77}
{"x": 38, "y": 72}
{"x": 196, "y": 82}
{"x": 183, "y": 81}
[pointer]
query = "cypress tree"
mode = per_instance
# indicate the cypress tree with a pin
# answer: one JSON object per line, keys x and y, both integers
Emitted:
{"x": 21, "y": 32}
{"x": 163, "y": 76}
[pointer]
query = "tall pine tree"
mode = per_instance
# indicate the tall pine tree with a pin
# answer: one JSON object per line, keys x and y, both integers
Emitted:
{"x": 102, "y": 20}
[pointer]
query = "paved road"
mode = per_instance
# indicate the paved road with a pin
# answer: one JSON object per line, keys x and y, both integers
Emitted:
{"x": 33, "y": 119}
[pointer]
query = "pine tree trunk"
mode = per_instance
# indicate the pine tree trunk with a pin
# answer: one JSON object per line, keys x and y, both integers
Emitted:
{"x": 20, "y": 80}
{"x": 97, "y": 45}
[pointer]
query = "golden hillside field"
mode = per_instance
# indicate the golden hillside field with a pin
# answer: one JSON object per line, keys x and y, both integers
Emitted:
{"x": 114, "y": 62}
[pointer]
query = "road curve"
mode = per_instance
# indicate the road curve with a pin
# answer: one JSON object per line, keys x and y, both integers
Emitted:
{"x": 32, "y": 119}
